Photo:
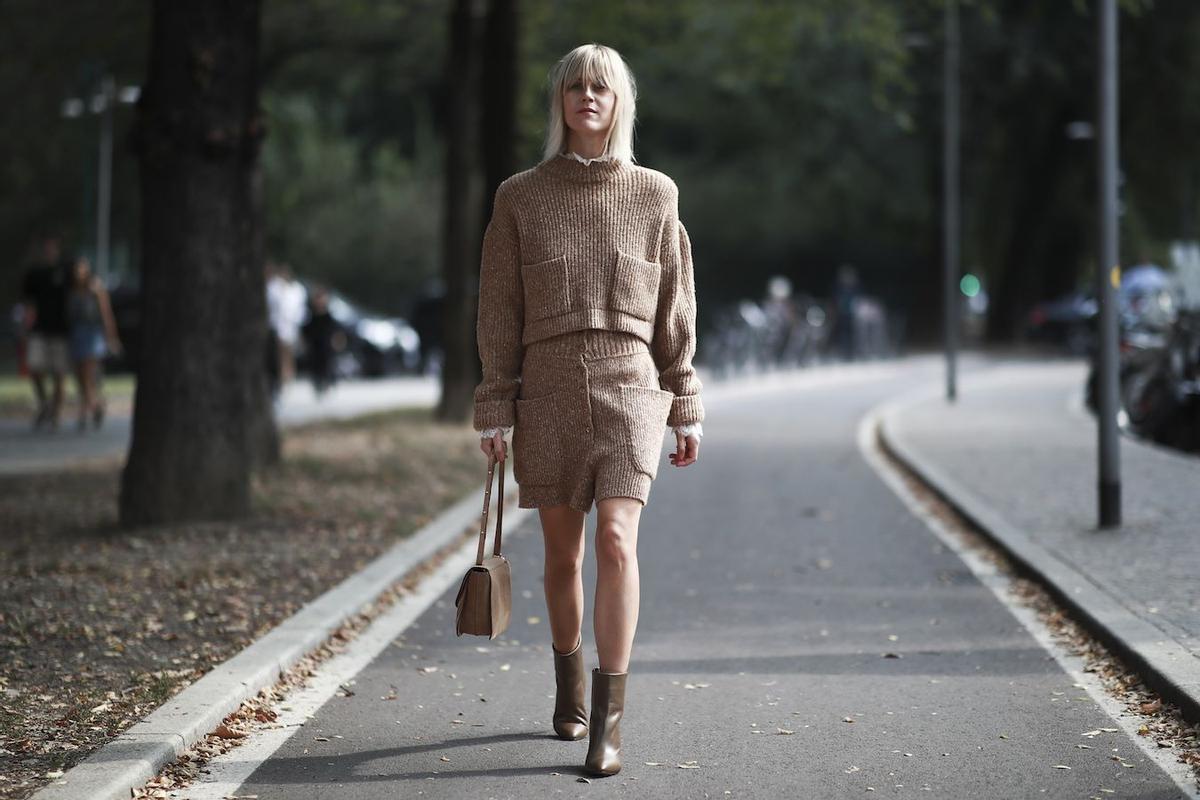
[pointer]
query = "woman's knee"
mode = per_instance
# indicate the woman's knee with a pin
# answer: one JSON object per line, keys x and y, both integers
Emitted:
{"x": 562, "y": 533}
{"x": 616, "y": 544}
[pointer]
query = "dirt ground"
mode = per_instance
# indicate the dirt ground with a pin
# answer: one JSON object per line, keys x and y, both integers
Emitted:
{"x": 98, "y": 626}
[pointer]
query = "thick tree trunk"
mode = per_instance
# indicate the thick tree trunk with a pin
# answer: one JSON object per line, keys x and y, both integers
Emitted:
{"x": 462, "y": 224}
{"x": 500, "y": 91}
{"x": 202, "y": 413}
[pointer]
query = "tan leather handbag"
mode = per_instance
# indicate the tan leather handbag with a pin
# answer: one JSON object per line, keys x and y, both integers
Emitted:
{"x": 484, "y": 600}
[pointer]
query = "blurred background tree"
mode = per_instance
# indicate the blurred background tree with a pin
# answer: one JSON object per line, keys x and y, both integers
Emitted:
{"x": 803, "y": 134}
{"x": 202, "y": 416}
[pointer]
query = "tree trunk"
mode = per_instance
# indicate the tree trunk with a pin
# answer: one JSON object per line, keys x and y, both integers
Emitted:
{"x": 202, "y": 411}
{"x": 500, "y": 91}
{"x": 462, "y": 225}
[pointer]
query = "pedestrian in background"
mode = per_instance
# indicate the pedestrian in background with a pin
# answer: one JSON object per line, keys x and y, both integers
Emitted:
{"x": 586, "y": 312}
{"x": 845, "y": 320}
{"x": 44, "y": 293}
{"x": 323, "y": 340}
{"x": 92, "y": 332}
{"x": 286, "y": 300}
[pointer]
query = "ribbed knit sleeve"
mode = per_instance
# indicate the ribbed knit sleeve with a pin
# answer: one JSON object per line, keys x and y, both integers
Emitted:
{"x": 674, "y": 342}
{"x": 500, "y": 318}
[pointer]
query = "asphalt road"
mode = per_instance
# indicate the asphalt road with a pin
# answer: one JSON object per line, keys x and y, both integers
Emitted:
{"x": 777, "y": 572}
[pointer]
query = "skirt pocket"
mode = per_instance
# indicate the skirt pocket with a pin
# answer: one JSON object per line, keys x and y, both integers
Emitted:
{"x": 645, "y": 410}
{"x": 537, "y": 448}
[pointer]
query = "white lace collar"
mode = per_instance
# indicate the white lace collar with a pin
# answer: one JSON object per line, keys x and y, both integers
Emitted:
{"x": 582, "y": 160}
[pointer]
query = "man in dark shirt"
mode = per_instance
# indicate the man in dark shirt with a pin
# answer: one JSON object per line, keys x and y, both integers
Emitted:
{"x": 44, "y": 291}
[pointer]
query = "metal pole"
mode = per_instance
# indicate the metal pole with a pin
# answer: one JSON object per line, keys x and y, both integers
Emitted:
{"x": 108, "y": 92}
{"x": 950, "y": 195}
{"x": 1108, "y": 269}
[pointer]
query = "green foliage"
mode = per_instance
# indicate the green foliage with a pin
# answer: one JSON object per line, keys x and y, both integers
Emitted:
{"x": 48, "y": 162}
{"x": 352, "y": 162}
{"x": 789, "y": 126}
{"x": 365, "y": 222}
{"x": 802, "y": 133}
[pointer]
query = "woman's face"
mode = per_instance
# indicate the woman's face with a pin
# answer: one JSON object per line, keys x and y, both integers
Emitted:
{"x": 82, "y": 271}
{"x": 588, "y": 107}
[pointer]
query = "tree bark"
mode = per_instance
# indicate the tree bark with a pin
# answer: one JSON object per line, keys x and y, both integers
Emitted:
{"x": 202, "y": 414}
{"x": 501, "y": 54}
{"x": 462, "y": 225}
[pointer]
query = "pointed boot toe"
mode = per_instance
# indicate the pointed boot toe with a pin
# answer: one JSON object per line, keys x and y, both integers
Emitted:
{"x": 570, "y": 714}
{"x": 608, "y": 706}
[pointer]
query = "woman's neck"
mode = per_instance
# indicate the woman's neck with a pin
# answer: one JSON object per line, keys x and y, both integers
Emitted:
{"x": 586, "y": 146}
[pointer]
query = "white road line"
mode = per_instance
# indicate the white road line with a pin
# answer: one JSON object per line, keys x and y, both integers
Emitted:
{"x": 226, "y": 773}
{"x": 1000, "y": 586}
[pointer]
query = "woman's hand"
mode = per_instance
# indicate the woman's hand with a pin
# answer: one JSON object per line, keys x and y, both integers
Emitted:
{"x": 495, "y": 445}
{"x": 687, "y": 450}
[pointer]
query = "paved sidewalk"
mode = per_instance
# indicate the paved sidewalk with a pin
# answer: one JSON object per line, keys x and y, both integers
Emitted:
{"x": 802, "y": 634}
{"x": 23, "y": 451}
{"x": 1019, "y": 446}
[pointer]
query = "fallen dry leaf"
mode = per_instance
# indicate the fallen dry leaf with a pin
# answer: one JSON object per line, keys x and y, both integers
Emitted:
{"x": 225, "y": 732}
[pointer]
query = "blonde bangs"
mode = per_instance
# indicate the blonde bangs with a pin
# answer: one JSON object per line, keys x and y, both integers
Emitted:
{"x": 594, "y": 63}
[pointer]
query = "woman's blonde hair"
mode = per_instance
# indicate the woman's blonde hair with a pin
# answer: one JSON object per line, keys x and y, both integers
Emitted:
{"x": 594, "y": 63}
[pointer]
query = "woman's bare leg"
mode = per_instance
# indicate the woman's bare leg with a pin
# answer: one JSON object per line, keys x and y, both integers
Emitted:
{"x": 562, "y": 534}
{"x": 618, "y": 592}
{"x": 87, "y": 370}
{"x": 81, "y": 384}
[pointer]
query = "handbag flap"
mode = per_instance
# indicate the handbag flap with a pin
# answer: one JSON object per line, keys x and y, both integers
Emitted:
{"x": 473, "y": 603}
{"x": 501, "y": 592}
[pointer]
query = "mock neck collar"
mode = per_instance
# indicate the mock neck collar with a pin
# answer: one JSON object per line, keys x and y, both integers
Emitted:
{"x": 568, "y": 167}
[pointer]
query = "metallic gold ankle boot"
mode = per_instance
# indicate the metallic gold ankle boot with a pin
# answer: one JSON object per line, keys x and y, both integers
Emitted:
{"x": 608, "y": 705}
{"x": 570, "y": 715}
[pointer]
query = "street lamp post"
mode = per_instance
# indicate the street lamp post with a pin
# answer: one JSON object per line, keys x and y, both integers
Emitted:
{"x": 951, "y": 244}
{"x": 1107, "y": 269}
{"x": 107, "y": 96}
{"x": 103, "y": 103}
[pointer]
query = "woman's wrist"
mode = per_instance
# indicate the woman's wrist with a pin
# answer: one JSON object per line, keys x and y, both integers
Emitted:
{"x": 488, "y": 433}
{"x": 690, "y": 429}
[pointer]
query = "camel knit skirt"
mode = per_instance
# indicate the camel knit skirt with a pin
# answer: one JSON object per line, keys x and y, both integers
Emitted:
{"x": 590, "y": 419}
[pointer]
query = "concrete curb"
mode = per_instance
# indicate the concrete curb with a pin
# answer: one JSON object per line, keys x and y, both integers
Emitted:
{"x": 138, "y": 754}
{"x": 1166, "y": 665}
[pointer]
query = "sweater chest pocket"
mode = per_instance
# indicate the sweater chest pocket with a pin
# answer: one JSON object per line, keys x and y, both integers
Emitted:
{"x": 547, "y": 290}
{"x": 635, "y": 287}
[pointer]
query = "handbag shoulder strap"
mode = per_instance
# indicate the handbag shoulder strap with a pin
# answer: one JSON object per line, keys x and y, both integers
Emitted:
{"x": 487, "y": 502}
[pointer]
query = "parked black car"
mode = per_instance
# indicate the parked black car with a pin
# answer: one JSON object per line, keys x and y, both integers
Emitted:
{"x": 377, "y": 345}
{"x": 1068, "y": 322}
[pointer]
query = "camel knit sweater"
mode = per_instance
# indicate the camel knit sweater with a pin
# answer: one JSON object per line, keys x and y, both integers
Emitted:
{"x": 573, "y": 246}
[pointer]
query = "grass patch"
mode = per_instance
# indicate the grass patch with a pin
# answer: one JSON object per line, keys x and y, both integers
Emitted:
{"x": 17, "y": 399}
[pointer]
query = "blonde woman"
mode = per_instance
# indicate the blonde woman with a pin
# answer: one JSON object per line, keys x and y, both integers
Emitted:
{"x": 586, "y": 332}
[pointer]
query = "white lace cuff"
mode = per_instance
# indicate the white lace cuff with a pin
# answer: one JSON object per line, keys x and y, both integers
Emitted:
{"x": 694, "y": 429}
